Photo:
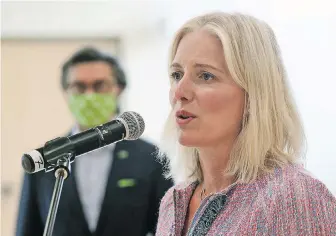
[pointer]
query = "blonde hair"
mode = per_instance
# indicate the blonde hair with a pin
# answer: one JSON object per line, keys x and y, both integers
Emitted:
{"x": 272, "y": 133}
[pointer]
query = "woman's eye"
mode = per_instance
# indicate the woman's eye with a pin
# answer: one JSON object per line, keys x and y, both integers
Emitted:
{"x": 176, "y": 75}
{"x": 207, "y": 76}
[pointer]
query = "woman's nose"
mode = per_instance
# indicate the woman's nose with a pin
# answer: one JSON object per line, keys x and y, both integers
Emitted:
{"x": 183, "y": 89}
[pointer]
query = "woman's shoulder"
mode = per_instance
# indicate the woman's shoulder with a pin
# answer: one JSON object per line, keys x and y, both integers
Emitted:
{"x": 178, "y": 193}
{"x": 295, "y": 195}
{"x": 168, "y": 198}
{"x": 167, "y": 206}
{"x": 295, "y": 179}
{"x": 180, "y": 188}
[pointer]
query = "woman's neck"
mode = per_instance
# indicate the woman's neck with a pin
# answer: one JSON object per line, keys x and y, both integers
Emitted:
{"x": 214, "y": 163}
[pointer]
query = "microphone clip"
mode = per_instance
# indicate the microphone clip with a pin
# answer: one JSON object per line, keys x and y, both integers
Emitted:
{"x": 58, "y": 151}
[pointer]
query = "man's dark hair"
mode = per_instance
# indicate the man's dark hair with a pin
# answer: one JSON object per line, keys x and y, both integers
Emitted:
{"x": 91, "y": 54}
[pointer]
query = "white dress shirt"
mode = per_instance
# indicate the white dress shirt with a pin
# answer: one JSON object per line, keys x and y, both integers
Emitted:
{"x": 92, "y": 172}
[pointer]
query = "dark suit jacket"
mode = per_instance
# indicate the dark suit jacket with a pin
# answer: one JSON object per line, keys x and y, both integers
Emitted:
{"x": 126, "y": 211}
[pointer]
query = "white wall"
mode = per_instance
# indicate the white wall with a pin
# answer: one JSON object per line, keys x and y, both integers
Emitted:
{"x": 145, "y": 59}
{"x": 49, "y": 19}
{"x": 305, "y": 29}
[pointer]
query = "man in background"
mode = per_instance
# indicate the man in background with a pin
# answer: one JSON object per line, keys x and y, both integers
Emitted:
{"x": 115, "y": 190}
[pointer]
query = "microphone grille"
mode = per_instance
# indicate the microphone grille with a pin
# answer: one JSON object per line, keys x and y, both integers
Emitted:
{"x": 134, "y": 124}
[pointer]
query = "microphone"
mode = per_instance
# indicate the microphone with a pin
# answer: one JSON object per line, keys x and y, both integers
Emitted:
{"x": 129, "y": 126}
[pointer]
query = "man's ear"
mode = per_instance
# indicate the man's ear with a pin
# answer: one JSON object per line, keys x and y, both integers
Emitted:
{"x": 65, "y": 95}
{"x": 117, "y": 90}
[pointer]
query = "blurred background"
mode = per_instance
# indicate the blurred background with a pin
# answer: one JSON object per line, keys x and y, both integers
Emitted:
{"x": 36, "y": 38}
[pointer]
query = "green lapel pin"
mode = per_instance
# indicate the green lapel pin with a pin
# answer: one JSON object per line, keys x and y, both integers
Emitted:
{"x": 125, "y": 183}
{"x": 123, "y": 154}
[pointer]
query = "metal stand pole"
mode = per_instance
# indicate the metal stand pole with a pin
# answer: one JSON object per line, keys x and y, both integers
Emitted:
{"x": 62, "y": 171}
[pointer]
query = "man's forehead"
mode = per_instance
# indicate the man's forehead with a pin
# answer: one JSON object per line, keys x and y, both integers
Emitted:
{"x": 89, "y": 71}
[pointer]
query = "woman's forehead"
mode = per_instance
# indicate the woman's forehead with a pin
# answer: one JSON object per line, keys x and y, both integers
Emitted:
{"x": 200, "y": 47}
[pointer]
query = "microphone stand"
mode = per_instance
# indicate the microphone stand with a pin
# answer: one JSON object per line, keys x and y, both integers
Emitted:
{"x": 62, "y": 172}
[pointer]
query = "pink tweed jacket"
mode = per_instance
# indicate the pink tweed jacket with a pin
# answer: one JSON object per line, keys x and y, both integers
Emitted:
{"x": 287, "y": 202}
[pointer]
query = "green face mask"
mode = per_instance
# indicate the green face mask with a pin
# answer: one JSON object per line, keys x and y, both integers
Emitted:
{"x": 93, "y": 109}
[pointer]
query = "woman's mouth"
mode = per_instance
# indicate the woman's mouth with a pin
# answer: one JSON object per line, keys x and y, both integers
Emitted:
{"x": 183, "y": 117}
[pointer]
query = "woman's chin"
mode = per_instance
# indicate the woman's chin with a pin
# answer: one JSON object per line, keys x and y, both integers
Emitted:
{"x": 187, "y": 141}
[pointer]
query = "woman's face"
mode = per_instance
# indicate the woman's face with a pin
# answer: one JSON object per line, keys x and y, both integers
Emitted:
{"x": 209, "y": 105}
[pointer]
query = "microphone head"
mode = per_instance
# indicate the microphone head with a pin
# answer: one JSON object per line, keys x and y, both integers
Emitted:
{"x": 134, "y": 124}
